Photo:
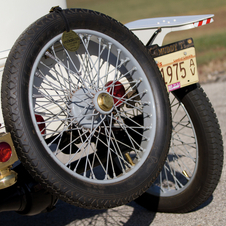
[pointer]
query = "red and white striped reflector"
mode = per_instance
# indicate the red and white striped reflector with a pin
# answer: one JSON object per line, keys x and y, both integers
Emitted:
{"x": 203, "y": 22}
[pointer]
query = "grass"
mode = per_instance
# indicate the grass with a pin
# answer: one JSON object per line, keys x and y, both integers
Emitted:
{"x": 210, "y": 47}
{"x": 210, "y": 40}
{"x": 128, "y": 10}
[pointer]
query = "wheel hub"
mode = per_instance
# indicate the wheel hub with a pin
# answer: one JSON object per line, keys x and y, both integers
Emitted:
{"x": 82, "y": 110}
{"x": 86, "y": 110}
{"x": 105, "y": 101}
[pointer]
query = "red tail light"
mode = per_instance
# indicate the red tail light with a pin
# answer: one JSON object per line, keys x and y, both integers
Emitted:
{"x": 41, "y": 123}
{"x": 117, "y": 90}
{"x": 5, "y": 152}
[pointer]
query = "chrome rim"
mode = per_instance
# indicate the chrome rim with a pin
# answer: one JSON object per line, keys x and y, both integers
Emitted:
{"x": 93, "y": 110}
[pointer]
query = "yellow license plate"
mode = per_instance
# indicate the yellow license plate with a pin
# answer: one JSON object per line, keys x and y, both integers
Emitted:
{"x": 179, "y": 69}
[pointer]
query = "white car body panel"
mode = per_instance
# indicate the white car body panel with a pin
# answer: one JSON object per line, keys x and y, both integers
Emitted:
{"x": 16, "y": 16}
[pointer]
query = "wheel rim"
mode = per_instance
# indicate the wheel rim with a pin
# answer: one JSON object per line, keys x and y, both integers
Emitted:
{"x": 91, "y": 127}
{"x": 182, "y": 161}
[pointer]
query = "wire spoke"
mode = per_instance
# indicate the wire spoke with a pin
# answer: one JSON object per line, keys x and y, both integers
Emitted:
{"x": 180, "y": 165}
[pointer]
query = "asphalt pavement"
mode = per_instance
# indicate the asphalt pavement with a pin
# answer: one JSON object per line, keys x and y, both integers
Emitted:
{"x": 213, "y": 212}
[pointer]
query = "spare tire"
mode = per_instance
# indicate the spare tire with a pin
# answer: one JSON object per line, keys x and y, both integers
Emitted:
{"x": 90, "y": 120}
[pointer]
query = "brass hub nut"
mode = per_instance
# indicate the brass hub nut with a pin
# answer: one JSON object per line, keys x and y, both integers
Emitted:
{"x": 105, "y": 101}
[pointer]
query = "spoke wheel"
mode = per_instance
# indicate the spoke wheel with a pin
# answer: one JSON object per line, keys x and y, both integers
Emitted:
{"x": 89, "y": 121}
{"x": 85, "y": 100}
{"x": 194, "y": 162}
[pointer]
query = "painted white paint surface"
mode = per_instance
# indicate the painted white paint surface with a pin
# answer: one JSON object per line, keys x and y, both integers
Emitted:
{"x": 16, "y": 16}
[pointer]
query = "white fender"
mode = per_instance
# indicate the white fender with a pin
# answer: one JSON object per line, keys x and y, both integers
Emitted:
{"x": 145, "y": 28}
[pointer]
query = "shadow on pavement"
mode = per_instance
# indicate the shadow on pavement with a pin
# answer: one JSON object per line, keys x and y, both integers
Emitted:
{"x": 128, "y": 215}
{"x": 65, "y": 214}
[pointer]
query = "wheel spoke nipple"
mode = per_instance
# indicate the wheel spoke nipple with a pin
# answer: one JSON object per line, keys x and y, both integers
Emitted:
{"x": 185, "y": 174}
{"x": 129, "y": 159}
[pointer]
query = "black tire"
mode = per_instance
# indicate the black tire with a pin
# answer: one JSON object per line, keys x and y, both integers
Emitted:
{"x": 195, "y": 163}
{"x": 113, "y": 152}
